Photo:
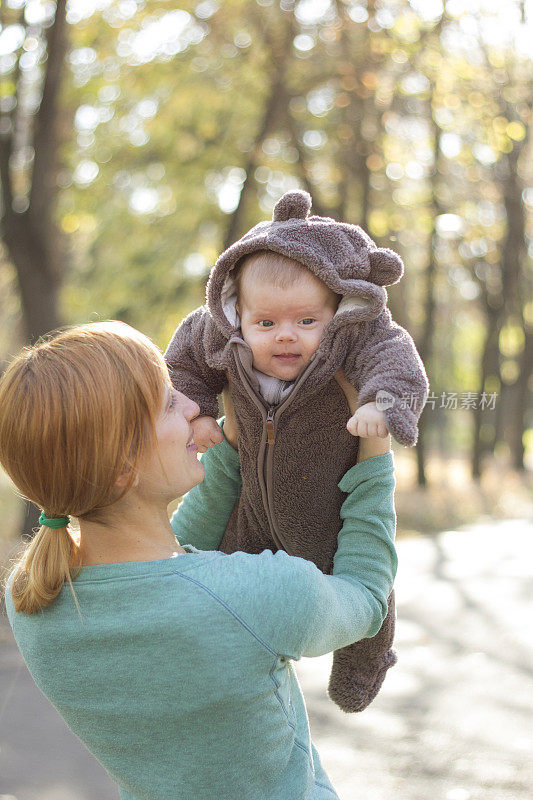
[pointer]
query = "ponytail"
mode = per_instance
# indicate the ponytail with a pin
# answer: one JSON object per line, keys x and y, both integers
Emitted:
{"x": 48, "y": 561}
{"x": 76, "y": 410}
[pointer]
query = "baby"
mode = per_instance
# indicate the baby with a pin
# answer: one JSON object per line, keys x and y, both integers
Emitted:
{"x": 283, "y": 310}
{"x": 290, "y": 304}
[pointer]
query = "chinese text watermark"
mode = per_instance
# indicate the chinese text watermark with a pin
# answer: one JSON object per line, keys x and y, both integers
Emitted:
{"x": 451, "y": 401}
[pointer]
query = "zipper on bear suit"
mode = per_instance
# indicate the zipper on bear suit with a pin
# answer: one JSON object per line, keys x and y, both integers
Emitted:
{"x": 265, "y": 465}
{"x": 270, "y": 426}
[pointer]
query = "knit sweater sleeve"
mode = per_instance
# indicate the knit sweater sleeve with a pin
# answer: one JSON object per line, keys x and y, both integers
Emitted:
{"x": 384, "y": 358}
{"x": 202, "y": 516}
{"x": 298, "y": 610}
{"x": 187, "y": 362}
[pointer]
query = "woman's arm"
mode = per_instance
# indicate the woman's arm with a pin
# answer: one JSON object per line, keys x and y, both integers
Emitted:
{"x": 351, "y": 604}
{"x": 366, "y": 557}
{"x": 296, "y": 609}
{"x": 202, "y": 516}
{"x": 309, "y": 613}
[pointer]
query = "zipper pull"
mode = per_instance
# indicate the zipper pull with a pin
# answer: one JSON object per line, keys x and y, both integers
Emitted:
{"x": 270, "y": 426}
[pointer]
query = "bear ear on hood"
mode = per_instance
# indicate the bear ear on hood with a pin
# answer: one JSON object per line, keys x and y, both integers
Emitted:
{"x": 293, "y": 205}
{"x": 386, "y": 267}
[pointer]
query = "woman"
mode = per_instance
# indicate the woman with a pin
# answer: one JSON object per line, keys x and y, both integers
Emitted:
{"x": 171, "y": 664}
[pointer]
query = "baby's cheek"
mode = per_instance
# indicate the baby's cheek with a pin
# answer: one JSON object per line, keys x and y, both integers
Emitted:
{"x": 311, "y": 345}
{"x": 260, "y": 350}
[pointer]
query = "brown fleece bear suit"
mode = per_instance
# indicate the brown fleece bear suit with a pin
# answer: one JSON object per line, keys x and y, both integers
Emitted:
{"x": 294, "y": 454}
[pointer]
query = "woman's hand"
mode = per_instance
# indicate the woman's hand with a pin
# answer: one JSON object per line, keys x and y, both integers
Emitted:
{"x": 368, "y": 448}
{"x": 230, "y": 423}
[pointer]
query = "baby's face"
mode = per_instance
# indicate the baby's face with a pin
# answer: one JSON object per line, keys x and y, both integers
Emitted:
{"x": 283, "y": 326}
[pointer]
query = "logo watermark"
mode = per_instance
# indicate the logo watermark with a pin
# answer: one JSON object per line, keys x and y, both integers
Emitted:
{"x": 384, "y": 400}
{"x": 450, "y": 401}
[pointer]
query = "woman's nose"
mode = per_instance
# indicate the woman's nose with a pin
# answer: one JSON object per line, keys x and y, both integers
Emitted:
{"x": 190, "y": 408}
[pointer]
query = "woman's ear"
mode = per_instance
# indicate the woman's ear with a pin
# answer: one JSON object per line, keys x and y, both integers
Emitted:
{"x": 124, "y": 480}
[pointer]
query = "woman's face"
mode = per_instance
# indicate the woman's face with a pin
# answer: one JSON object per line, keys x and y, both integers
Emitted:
{"x": 172, "y": 468}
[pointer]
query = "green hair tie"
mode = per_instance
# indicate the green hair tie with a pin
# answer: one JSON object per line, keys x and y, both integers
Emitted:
{"x": 53, "y": 522}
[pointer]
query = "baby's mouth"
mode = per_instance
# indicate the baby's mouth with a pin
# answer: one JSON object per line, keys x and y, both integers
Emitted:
{"x": 287, "y": 356}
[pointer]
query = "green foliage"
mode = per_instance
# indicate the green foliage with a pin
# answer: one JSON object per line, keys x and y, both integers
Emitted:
{"x": 402, "y": 120}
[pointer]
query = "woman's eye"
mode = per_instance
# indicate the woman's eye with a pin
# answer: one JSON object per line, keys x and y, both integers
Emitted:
{"x": 266, "y": 323}
{"x": 308, "y": 321}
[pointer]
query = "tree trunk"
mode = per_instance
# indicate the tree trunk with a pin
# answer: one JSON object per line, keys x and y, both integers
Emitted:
{"x": 362, "y": 176}
{"x": 425, "y": 344}
{"x": 275, "y": 107}
{"x": 31, "y": 238}
{"x": 489, "y": 367}
{"x": 520, "y": 422}
{"x": 514, "y": 256}
{"x": 37, "y": 279}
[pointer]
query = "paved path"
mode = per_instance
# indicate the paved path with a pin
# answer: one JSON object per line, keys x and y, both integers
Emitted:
{"x": 453, "y": 721}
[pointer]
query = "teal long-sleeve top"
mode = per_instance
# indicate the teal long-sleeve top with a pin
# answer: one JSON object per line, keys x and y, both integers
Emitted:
{"x": 178, "y": 675}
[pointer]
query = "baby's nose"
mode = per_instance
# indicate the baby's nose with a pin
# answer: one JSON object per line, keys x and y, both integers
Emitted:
{"x": 286, "y": 331}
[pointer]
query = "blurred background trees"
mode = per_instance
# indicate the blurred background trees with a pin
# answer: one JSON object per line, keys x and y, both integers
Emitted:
{"x": 138, "y": 139}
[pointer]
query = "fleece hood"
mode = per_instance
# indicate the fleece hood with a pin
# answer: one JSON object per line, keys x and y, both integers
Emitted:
{"x": 343, "y": 256}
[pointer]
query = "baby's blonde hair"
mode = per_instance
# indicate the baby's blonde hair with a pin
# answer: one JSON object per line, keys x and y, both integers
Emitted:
{"x": 77, "y": 410}
{"x": 265, "y": 265}
{"x": 282, "y": 271}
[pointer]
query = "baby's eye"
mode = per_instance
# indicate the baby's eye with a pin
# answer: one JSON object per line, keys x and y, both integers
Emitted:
{"x": 265, "y": 323}
{"x": 308, "y": 321}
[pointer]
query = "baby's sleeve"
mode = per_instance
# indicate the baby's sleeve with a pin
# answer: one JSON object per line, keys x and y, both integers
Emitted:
{"x": 384, "y": 359}
{"x": 187, "y": 363}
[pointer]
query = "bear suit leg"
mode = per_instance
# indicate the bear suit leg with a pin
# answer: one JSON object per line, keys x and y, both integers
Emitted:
{"x": 360, "y": 668}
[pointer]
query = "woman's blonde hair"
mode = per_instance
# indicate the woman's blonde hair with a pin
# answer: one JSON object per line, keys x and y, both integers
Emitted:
{"x": 77, "y": 410}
